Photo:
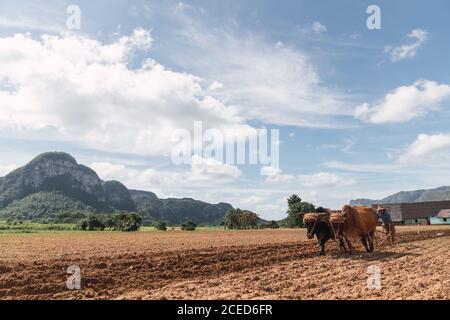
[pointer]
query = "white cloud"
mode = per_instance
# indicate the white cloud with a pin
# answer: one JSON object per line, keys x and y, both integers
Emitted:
{"x": 348, "y": 145}
{"x": 145, "y": 179}
{"x": 271, "y": 82}
{"x": 275, "y": 175}
{"x": 325, "y": 179}
{"x": 77, "y": 89}
{"x": 181, "y": 6}
{"x": 405, "y": 103}
{"x": 203, "y": 172}
{"x": 265, "y": 204}
{"x": 215, "y": 86}
{"x": 28, "y": 23}
{"x": 430, "y": 152}
{"x": 7, "y": 168}
{"x": 211, "y": 170}
{"x": 317, "y": 27}
{"x": 355, "y": 36}
{"x": 427, "y": 147}
{"x": 408, "y": 50}
{"x": 313, "y": 29}
{"x": 328, "y": 146}
{"x": 352, "y": 167}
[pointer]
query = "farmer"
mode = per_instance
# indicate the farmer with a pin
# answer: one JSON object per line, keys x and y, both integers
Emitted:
{"x": 388, "y": 225}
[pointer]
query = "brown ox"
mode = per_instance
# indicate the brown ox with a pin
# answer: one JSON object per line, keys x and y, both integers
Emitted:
{"x": 359, "y": 223}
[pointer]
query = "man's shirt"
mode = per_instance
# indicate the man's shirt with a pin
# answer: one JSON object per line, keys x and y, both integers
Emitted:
{"x": 385, "y": 217}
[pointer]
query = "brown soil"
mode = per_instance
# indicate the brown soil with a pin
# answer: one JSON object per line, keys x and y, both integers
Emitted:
{"x": 263, "y": 264}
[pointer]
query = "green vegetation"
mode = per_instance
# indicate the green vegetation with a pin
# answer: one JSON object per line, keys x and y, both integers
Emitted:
{"x": 188, "y": 226}
{"x": 296, "y": 206}
{"x": 99, "y": 223}
{"x": 118, "y": 196}
{"x": 119, "y": 221}
{"x": 34, "y": 193}
{"x": 91, "y": 223}
{"x": 176, "y": 211}
{"x": 238, "y": 219}
{"x": 125, "y": 221}
{"x": 46, "y": 207}
{"x": 270, "y": 224}
{"x": 32, "y": 227}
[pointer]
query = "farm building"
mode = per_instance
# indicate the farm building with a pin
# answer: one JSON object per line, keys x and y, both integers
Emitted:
{"x": 443, "y": 217}
{"x": 415, "y": 213}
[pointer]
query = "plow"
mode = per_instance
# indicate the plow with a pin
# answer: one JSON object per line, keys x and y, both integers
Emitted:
{"x": 384, "y": 236}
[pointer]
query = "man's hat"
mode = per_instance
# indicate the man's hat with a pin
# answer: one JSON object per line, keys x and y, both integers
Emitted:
{"x": 380, "y": 208}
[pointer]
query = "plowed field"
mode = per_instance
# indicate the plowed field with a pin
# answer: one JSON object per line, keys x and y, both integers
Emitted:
{"x": 262, "y": 264}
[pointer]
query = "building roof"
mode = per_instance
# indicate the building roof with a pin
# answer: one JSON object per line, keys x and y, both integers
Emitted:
{"x": 444, "y": 213}
{"x": 416, "y": 210}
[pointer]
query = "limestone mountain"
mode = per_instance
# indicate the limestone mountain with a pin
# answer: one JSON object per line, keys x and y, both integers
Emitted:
{"x": 424, "y": 195}
{"x": 48, "y": 172}
{"x": 178, "y": 211}
{"x": 54, "y": 183}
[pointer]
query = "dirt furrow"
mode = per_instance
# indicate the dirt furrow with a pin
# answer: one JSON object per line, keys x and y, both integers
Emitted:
{"x": 122, "y": 273}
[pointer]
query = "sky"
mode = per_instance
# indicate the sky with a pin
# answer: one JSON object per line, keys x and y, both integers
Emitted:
{"x": 361, "y": 113}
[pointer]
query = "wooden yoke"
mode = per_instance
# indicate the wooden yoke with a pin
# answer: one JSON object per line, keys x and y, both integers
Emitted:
{"x": 337, "y": 220}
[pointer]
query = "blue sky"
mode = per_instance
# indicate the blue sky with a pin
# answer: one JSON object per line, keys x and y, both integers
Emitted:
{"x": 361, "y": 113}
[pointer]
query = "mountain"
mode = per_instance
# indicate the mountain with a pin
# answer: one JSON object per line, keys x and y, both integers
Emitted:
{"x": 178, "y": 210}
{"x": 438, "y": 194}
{"x": 43, "y": 206}
{"x": 59, "y": 172}
{"x": 118, "y": 196}
{"x": 54, "y": 183}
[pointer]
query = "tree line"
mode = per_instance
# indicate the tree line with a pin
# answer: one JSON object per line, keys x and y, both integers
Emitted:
{"x": 119, "y": 221}
{"x": 296, "y": 206}
{"x": 189, "y": 225}
{"x": 237, "y": 219}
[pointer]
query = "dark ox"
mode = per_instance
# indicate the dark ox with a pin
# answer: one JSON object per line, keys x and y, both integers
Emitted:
{"x": 317, "y": 225}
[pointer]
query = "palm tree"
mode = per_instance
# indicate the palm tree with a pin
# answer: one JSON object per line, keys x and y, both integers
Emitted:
{"x": 232, "y": 219}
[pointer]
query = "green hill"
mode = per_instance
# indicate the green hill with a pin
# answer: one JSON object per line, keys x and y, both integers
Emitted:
{"x": 43, "y": 206}
{"x": 176, "y": 211}
{"x": 438, "y": 194}
{"x": 54, "y": 184}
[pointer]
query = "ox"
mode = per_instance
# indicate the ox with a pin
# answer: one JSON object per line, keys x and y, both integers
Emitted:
{"x": 318, "y": 224}
{"x": 356, "y": 223}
